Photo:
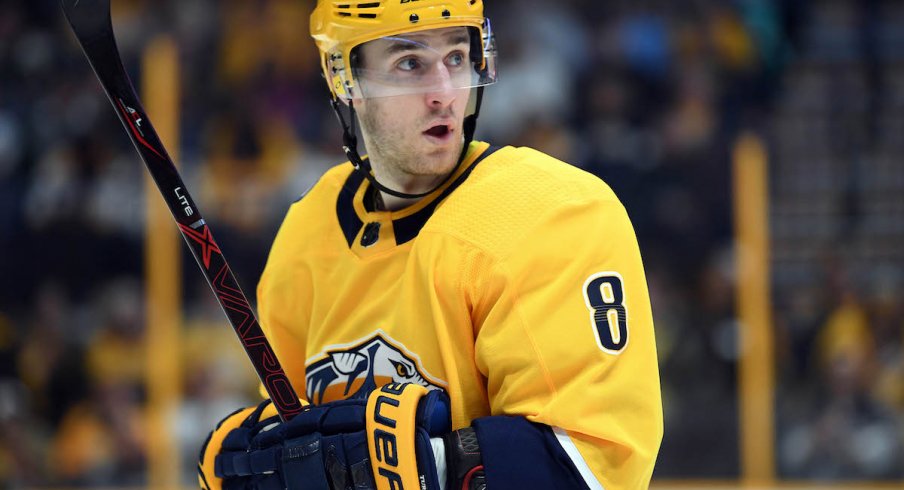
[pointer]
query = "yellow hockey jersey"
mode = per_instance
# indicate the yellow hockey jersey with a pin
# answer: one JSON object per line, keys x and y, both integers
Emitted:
{"x": 517, "y": 287}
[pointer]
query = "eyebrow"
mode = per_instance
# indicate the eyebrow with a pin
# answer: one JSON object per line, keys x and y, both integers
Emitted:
{"x": 398, "y": 46}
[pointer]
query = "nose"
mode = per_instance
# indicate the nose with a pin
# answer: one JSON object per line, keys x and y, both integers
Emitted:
{"x": 441, "y": 92}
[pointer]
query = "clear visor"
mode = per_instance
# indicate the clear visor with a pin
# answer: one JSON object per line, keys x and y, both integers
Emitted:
{"x": 434, "y": 60}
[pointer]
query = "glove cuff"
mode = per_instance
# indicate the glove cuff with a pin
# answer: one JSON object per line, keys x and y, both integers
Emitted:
{"x": 463, "y": 460}
{"x": 397, "y": 437}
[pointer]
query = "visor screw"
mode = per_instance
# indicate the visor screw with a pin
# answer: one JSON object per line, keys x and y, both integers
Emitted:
{"x": 414, "y": 18}
{"x": 447, "y": 14}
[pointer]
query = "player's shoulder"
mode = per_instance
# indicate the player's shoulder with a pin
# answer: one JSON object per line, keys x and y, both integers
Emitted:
{"x": 513, "y": 191}
{"x": 308, "y": 216}
{"x": 327, "y": 186}
{"x": 322, "y": 193}
{"x": 546, "y": 179}
{"x": 531, "y": 180}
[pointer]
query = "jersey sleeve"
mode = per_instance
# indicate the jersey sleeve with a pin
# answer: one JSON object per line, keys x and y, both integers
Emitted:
{"x": 565, "y": 341}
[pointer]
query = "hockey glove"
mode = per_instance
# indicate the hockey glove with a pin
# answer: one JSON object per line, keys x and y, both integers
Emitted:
{"x": 381, "y": 443}
{"x": 246, "y": 419}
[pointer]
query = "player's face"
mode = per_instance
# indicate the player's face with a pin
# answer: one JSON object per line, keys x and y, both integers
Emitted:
{"x": 413, "y": 128}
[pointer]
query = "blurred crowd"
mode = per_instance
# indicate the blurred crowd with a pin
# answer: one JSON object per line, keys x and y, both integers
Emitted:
{"x": 651, "y": 95}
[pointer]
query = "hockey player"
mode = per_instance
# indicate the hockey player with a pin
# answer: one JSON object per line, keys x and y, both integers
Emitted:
{"x": 458, "y": 315}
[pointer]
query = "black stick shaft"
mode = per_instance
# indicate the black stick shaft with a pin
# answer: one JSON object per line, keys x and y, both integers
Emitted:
{"x": 91, "y": 22}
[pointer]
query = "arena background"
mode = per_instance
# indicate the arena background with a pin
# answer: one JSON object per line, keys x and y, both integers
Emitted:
{"x": 756, "y": 144}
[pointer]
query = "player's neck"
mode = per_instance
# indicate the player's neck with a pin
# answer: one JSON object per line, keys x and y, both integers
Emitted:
{"x": 388, "y": 202}
{"x": 404, "y": 183}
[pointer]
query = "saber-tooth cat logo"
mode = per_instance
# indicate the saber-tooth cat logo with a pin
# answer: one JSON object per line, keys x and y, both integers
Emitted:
{"x": 363, "y": 366}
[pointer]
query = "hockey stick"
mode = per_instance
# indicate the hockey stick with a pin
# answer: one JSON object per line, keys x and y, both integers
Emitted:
{"x": 91, "y": 22}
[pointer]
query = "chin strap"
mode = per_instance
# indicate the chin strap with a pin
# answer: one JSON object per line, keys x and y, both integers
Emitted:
{"x": 350, "y": 145}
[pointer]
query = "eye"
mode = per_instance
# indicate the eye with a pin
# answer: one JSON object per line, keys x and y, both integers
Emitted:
{"x": 455, "y": 59}
{"x": 408, "y": 64}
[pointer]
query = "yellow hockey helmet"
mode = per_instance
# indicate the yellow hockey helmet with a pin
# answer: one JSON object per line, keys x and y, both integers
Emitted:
{"x": 340, "y": 26}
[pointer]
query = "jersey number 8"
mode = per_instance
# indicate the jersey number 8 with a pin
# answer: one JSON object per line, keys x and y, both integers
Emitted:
{"x": 604, "y": 296}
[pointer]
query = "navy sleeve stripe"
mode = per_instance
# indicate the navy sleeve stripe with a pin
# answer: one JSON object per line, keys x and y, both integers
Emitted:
{"x": 519, "y": 454}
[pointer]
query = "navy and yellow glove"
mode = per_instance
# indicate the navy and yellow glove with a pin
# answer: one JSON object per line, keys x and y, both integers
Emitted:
{"x": 400, "y": 437}
{"x": 246, "y": 419}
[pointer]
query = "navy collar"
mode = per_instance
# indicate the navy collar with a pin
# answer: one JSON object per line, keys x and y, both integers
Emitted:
{"x": 406, "y": 228}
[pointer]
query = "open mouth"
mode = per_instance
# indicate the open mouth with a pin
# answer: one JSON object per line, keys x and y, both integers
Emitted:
{"x": 439, "y": 131}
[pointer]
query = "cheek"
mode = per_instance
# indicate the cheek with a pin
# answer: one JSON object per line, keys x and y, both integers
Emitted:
{"x": 394, "y": 113}
{"x": 375, "y": 118}
{"x": 461, "y": 103}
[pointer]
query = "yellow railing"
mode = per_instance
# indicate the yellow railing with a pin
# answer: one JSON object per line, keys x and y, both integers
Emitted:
{"x": 162, "y": 273}
{"x": 756, "y": 378}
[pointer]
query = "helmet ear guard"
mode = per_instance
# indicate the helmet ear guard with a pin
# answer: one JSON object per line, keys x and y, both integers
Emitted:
{"x": 335, "y": 76}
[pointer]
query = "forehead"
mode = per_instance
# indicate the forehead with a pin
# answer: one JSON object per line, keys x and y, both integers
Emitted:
{"x": 431, "y": 38}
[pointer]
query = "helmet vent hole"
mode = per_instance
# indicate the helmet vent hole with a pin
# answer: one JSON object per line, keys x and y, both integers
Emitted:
{"x": 447, "y": 14}
{"x": 414, "y": 18}
{"x": 350, "y": 10}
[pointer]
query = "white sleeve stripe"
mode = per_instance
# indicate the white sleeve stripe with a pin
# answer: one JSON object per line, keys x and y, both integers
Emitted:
{"x": 572, "y": 451}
